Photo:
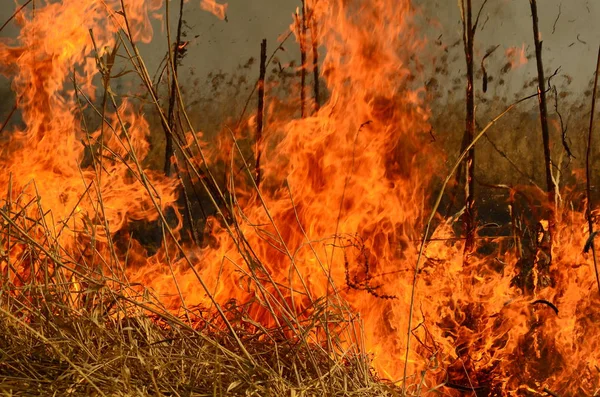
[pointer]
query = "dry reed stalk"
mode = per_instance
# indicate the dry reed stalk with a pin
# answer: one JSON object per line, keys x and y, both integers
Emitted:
{"x": 588, "y": 182}
{"x": 315, "y": 59}
{"x": 173, "y": 56}
{"x": 261, "y": 108}
{"x": 171, "y": 131}
{"x": 469, "y": 30}
{"x": 469, "y": 215}
{"x": 302, "y": 28}
{"x": 550, "y": 184}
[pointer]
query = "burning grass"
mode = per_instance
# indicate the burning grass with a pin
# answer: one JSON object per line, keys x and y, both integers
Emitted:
{"x": 65, "y": 330}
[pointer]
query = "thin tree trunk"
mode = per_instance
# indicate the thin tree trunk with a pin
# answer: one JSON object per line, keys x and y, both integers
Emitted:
{"x": 261, "y": 105}
{"x": 588, "y": 173}
{"x": 169, "y": 149}
{"x": 302, "y": 31}
{"x": 315, "y": 56}
{"x": 550, "y": 185}
{"x": 469, "y": 216}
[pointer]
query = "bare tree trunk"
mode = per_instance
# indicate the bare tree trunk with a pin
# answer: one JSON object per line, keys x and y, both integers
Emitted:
{"x": 550, "y": 185}
{"x": 169, "y": 149}
{"x": 469, "y": 216}
{"x": 261, "y": 106}
{"x": 589, "y": 176}
{"x": 301, "y": 22}
{"x": 315, "y": 56}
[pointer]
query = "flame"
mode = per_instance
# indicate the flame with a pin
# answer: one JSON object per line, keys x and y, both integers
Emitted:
{"x": 517, "y": 57}
{"x": 337, "y": 218}
{"x": 218, "y": 10}
{"x": 45, "y": 160}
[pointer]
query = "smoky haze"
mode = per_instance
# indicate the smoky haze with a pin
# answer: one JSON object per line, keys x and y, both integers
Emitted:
{"x": 570, "y": 35}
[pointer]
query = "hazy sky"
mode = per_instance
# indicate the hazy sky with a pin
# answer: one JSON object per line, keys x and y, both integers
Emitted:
{"x": 570, "y": 42}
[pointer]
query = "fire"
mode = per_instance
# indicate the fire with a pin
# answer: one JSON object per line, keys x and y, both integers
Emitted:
{"x": 334, "y": 225}
{"x": 218, "y": 10}
{"x": 517, "y": 57}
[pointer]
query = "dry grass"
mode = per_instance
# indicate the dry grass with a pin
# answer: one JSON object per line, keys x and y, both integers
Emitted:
{"x": 62, "y": 351}
{"x": 65, "y": 329}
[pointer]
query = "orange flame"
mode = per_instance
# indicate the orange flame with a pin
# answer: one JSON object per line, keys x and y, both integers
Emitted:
{"x": 218, "y": 10}
{"x": 517, "y": 57}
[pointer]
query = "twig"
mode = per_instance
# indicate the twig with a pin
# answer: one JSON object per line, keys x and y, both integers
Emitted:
{"x": 172, "y": 58}
{"x": 261, "y": 105}
{"x": 547, "y": 303}
{"x": 563, "y": 128}
{"x": 550, "y": 185}
{"x": 550, "y": 392}
{"x": 478, "y": 16}
{"x": 557, "y": 18}
{"x": 457, "y": 179}
{"x": 588, "y": 175}
{"x": 14, "y": 14}
{"x": 485, "y": 76}
{"x": 510, "y": 161}
{"x": 12, "y": 112}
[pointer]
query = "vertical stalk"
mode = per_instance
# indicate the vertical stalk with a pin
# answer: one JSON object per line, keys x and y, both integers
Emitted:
{"x": 302, "y": 34}
{"x": 550, "y": 185}
{"x": 588, "y": 172}
{"x": 469, "y": 216}
{"x": 261, "y": 105}
{"x": 315, "y": 58}
{"x": 169, "y": 149}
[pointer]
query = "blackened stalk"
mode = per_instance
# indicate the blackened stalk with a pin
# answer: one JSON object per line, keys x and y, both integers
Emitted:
{"x": 302, "y": 34}
{"x": 12, "y": 112}
{"x": 188, "y": 205}
{"x": 261, "y": 106}
{"x": 550, "y": 185}
{"x": 169, "y": 149}
{"x": 588, "y": 172}
{"x": 315, "y": 56}
{"x": 469, "y": 216}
